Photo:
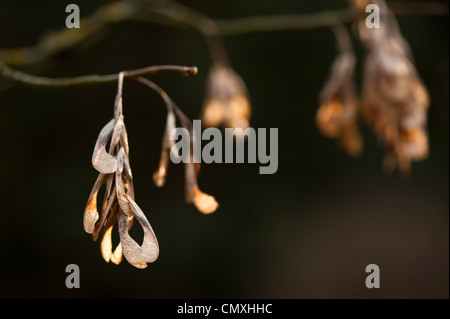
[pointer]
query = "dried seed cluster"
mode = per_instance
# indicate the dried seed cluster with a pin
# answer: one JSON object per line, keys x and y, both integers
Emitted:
{"x": 337, "y": 114}
{"x": 227, "y": 102}
{"x": 205, "y": 203}
{"x": 119, "y": 200}
{"x": 393, "y": 102}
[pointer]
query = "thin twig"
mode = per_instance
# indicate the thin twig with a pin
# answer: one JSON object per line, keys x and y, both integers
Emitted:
{"x": 285, "y": 22}
{"x": 39, "y": 81}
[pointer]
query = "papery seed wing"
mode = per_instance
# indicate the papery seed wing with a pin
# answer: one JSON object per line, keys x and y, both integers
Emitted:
{"x": 106, "y": 248}
{"x": 101, "y": 160}
{"x": 109, "y": 185}
{"x": 130, "y": 248}
{"x": 106, "y": 245}
{"x": 340, "y": 75}
{"x": 116, "y": 134}
{"x": 90, "y": 213}
{"x": 124, "y": 140}
{"x": 170, "y": 126}
{"x": 150, "y": 241}
{"x": 159, "y": 177}
{"x": 116, "y": 257}
{"x": 120, "y": 189}
{"x": 127, "y": 167}
{"x": 107, "y": 216}
{"x": 205, "y": 203}
{"x": 120, "y": 161}
{"x": 137, "y": 255}
{"x": 129, "y": 188}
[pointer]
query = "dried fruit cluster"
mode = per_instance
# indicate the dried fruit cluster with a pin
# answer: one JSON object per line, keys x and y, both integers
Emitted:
{"x": 337, "y": 114}
{"x": 119, "y": 200}
{"x": 227, "y": 102}
{"x": 393, "y": 102}
{"x": 119, "y": 203}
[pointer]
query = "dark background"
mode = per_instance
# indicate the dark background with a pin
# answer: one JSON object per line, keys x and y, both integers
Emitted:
{"x": 307, "y": 231}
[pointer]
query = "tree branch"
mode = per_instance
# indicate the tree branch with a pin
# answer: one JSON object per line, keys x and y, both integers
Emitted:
{"x": 39, "y": 81}
{"x": 285, "y": 22}
{"x": 96, "y": 24}
{"x": 181, "y": 15}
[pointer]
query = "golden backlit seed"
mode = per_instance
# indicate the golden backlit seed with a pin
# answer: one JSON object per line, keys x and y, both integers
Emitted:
{"x": 328, "y": 118}
{"x": 214, "y": 113}
{"x": 227, "y": 103}
{"x": 205, "y": 203}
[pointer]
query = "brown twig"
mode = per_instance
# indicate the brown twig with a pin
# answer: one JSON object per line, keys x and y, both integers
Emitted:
{"x": 39, "y": 81}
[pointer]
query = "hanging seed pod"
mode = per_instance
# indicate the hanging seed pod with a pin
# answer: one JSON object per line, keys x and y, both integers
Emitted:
{"x": 159, "y": 177}
{"x": 205, "y": 203}
{"x": 394, "y": 99}
{"x": 227, "y": 102}
{"x": 118, "y": 203}
{"x": 337, "y": 114}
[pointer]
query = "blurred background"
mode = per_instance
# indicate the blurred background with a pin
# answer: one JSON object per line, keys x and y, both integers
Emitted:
{"x": 307, "y": 231}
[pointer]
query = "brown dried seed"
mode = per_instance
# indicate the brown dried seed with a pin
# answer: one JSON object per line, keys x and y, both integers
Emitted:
{"x": 415, "y": 143}
{"x": 108, "y": 216}
{"x": 116, "y": 134}
{"x": 137, "y": 255}
{"x": 106, "y": 248}
{"x": 328, "y": 118}
{"x": 214, "y": 113}
{"x": 120, "y": 189}
{"x": 124, "y": 141}
{"x": 227, "y": 102}
{"x": 127, "y": 168}
{"x": 205, "y": 203}
{"x": 102, "y": 161}
{"x": 116, "y": 257}
{"x": 337, "y": 114}
{"x": 128, "y": 178}
{"x": 90, "y": 213}
{"x": 159, "y": 177}
{"x": 341, "y": 74}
